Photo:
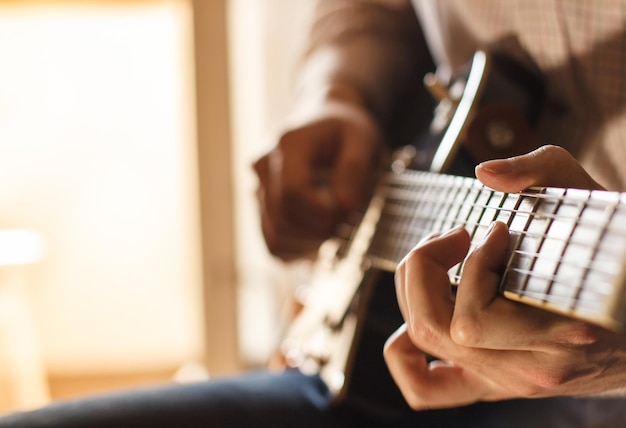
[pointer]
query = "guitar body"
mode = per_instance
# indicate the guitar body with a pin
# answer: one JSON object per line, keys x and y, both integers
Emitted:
{"x": 487, "y": 112}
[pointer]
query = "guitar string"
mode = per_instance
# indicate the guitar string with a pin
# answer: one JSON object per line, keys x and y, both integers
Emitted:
{"x": 578, "y": 222}
{"x": 558, "y": 215}
{"x": 597, "y": 266}
{"x": 556, "y": 280}
{"x": 563, "y": 199}
{"x": 417, "y": 233}
{"x": 469, "y": 186}
{"x": 407, "y": 180}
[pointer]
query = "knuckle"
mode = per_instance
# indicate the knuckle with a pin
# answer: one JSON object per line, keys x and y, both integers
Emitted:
{"x": 414, "y": 261}
{"x": 579, "y": 334}
{"x": 555, "y": 152}
{"x": 415, "y": 258}
{"x": 423, "y": 334}
{"x": 547, "y": 380}
{"x": 542, "y": 380}
{"x": 466, "y": 330}
{"x": 551, "y": 149}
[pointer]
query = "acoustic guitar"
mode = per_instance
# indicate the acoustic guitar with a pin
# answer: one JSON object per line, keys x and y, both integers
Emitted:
{"x": 567, "y": 247}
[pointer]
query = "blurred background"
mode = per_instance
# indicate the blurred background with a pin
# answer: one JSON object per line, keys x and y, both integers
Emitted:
{"x": 130, "y": 252}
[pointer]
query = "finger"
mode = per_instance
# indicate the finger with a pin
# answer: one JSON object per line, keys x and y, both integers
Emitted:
{"x": 353, "y": 170}
{"x": 427, "y": 386}
{"x": 423, "y": 286}
{"x": 291, "y": 227}
{"x": 482, "y": 317}
{"x": 302, "y": 157}
{"x": 399, "y": 277}
{"x": 286, "y": 246}
{"x": 547, "y": 166}
{"x": 295, "y": 205}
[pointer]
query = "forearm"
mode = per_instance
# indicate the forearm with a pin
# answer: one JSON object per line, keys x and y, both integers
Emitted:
{"x": 366, "y": 52}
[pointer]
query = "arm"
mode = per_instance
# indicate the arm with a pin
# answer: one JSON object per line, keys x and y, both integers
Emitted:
{"x": 361, "y": 58}
{"x": 492, "y": 348}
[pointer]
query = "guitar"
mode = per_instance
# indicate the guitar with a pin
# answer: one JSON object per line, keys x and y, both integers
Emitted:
{"x": 566, "y": 251}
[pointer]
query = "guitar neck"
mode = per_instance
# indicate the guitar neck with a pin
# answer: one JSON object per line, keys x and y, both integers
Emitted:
{"x": 567, "y": 248}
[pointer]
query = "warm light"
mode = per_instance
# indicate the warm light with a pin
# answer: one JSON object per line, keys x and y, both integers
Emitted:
{"x": 19, "y": 247}
{"x": 97, "y": 155}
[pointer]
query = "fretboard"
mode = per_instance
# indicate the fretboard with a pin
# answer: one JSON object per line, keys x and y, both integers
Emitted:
{"x": 567, "y": 248}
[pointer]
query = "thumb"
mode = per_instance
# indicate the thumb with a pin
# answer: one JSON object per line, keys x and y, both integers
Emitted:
{"x": 549, "y": 165}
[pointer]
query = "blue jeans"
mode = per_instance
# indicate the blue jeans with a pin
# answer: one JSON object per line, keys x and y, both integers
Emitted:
{"x": 294, "y": 400}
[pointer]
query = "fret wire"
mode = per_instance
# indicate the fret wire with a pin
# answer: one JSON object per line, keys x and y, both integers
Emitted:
{"x": 533, "y": 215}
{"x": 414, "y": 213}
{"x": 463, "y": 218}
{"x": 414, "y": 206}
{"x": 465, "y": 188}
{"x": 578, "y": 287}
{"x": 415, "y": 233}
{"x": 424, "y": 208}
{"x": 518, "y": 240}
{"x": 410, "y": 177}
{"x": 565, "y": 297}
{"x": 548, "y": 216}
{"x": 458, "y": 205}
{"x": 445, "y": 212}
{"x": 451, "y": 218}
{"x": 558, "y": 202}
{"x": 560, "y": 297}
{"x": 497, "y": 211}
{"x": 397, "y": 209}
{"x": 545, "y": 297}
{"x": 435, "y": 208}
{"x": 484, "y": 220}
{"x": 418, "y": 233}
{"x": 561, "y": 281}
{"x": 456, "y": 278}
{"x": 588, "y": 266}
{"x": 422, "y": 231}
{"x": 529, "y": 272}
{"x": 535, "y": 195}
{"x": 392, "y": 219}
{"x": 596, "y": 244}
{"x": 533, "y": 223}
{"x": 476, "y": 213}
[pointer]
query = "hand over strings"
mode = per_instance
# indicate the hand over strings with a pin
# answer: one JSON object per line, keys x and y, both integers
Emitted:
{"x": 490, "y": 348}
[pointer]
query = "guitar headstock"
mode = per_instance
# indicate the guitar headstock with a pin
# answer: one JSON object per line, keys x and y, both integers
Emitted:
{"x": 488, "y": 110}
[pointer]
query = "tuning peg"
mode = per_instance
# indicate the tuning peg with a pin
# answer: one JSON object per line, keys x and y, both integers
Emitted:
{"x": 437, "y": 89}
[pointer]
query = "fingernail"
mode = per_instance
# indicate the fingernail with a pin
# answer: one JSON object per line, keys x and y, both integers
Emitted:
{"x": 451, "y": 231}
{"x": 497, "y": 166}
{"x": 489, "y": 230}
{"x": 436, "y": 235}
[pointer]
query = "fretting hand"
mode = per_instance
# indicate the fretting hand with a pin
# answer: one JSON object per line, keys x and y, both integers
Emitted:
{"x": 491, "y": 348}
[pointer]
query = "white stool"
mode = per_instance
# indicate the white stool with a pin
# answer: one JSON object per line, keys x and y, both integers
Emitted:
{"x": 23, "y": 382}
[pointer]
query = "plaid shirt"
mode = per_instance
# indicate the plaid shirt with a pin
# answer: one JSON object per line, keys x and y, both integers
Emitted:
{"x": 580, "y": 48}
